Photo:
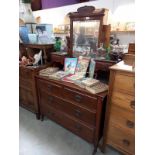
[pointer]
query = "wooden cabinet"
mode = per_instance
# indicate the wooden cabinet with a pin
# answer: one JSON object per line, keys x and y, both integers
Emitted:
{"x": 27, "y": 88}
{"x": 119, "y": 129}
{"x": 72, "y": 107}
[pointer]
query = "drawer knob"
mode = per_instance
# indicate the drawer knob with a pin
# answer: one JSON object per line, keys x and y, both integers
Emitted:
{"x": 78, "y": 98}
{"x": 78, "y": 127}
{"x": 126, "y": 142}
{"x": 130, "y": 124}
{"x": 132, "y": 104}
{"x": 77, "y": 112}
{"x": 49, "y": 87}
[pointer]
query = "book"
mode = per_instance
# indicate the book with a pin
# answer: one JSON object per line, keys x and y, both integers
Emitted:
{"x": 82, "y": 66}
{"x": 23, "y": 33}
{"x": 48, "y": 71}
{"x": 72, "y": 77}
{"x": 98, "y": 88}
{"x": 70, "y": 65}
{"x": 58, "y": 75}
{"x": 90, "y": 82}
{"x": 92, "y": 68}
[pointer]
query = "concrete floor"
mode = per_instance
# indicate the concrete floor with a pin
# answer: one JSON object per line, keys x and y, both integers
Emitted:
{"x": 49, "y": 138}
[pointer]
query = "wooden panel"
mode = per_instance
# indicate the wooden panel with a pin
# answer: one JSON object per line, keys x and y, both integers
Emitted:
{"x": 25, "y": 83}
{"x": 80, "y": 99}
{"x": 25, "y": 73}
{"x": 122, "y": 118}
{"x": 121, "y": 140}
{"x": 69, "y": 123}
{"x": 124, "y": 83}
{"x": 26, "y": 98}
{"x": 69, "y": 108}
{"x": 50, "y": 88}
{"x": 123, "y": 100}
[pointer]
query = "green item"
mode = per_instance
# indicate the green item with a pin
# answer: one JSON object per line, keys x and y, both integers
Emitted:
{"x": 57, "y": 45}
{"x": 26, "y": 1}
{"x": 107, "y": 57}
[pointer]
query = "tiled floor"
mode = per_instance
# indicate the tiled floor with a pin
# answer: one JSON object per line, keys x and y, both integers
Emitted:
{"x": 49, "y": 138}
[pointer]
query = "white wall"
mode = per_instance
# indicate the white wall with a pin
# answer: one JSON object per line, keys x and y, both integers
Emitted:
{"x": 56, "y": 16}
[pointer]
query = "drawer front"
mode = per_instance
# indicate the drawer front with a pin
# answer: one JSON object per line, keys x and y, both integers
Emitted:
{"x": 25, "y": 73}
{"x": 71, "y": 124}
{"x": 26, "y": 98}
{"x": 79, "y": 113}
{"x": 50, "y": 88}
{"x": 25, "y": 83}
{"x": 52, "y": 101}
{"x": 124, "y": 83}
{"x": 80, "y": 99}
{"x": 123, "y": 100}
{"x": 69, "y": 108}
{"x": 122, "y": 118}
{"x": 121, "y": 140}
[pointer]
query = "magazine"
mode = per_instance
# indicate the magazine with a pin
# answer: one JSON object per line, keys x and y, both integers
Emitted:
{"x": 48, "y": 71}
{"x": 58, "y": 75}
{"x": 90, "y": 82}
{"x": 70, "y": 65}
{"x": 72, "y": 77}
{"x": 82, "y": 66}
{"x": 98, "y": 88}
{"x": 92, "y": 68}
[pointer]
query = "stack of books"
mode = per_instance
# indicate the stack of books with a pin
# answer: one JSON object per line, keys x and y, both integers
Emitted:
{"x": 90, "y": 82}
{"x": 48, "y": 71}
{"x": 58, "y": 75}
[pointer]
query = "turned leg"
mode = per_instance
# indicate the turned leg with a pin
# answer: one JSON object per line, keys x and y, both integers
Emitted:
{"x": 95, "y": 149}
{"x": 41, "y": 117}
{"x": 37, "y": 116}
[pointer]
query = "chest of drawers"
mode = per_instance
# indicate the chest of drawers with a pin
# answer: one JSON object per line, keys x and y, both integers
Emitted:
{"x": 72, "y": 107}
{"x": 27, "y": 88}
{"x": 120, "y": 111}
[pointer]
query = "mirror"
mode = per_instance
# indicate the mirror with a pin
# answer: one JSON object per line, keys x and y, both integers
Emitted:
{"x": 85, "y": 37}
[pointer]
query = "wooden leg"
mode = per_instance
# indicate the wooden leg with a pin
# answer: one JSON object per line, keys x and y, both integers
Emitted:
{"x": 94, "y": 151}
{"x": 37, "y": 116}
{"x": 42, "y": 117}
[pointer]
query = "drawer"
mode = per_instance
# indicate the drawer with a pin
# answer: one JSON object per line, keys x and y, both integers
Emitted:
{"x": 123, "y": 100}
{"x": 26, "y": 98}
{"x": 50, "y": 88}
{"x": 69, "y": 108}
{"x": 25, "y": 83}
{"x": 124, "y": 83}
{"x": 122, "y": 118}
{"x": 80, "y": 113}
{"x": 52, "y": 101}
{"x": 25, "y": 73}
{"x": 80, "y": 99}
{"x": 69, "y": 123}
{"x": 121, "y": 140}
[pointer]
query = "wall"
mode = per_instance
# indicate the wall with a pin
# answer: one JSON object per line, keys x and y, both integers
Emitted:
{"x": 56, "y": 16}
{"x": 56, "y": 3}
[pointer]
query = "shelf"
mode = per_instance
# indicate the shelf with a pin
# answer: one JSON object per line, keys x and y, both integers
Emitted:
{"x": 131, "y": 31}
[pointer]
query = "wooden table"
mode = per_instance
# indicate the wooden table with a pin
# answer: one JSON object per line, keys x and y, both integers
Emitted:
{"x": 43, "y": 47}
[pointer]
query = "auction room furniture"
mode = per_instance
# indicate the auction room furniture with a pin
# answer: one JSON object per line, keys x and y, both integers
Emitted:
{"x": 86, "y": 30}
{"x": 119, "y": 131}
{"x": 72, "y": 107}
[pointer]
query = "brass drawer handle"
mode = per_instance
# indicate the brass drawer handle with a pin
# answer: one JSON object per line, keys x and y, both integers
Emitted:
{"x": 130, "y": 124}
{"x": 77, "y": 112}
{"x": 126, "y": 142}
{"x": 78, "y": 127}
{"x": 78, "y": 98}
{"x": 132, "y": 104}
